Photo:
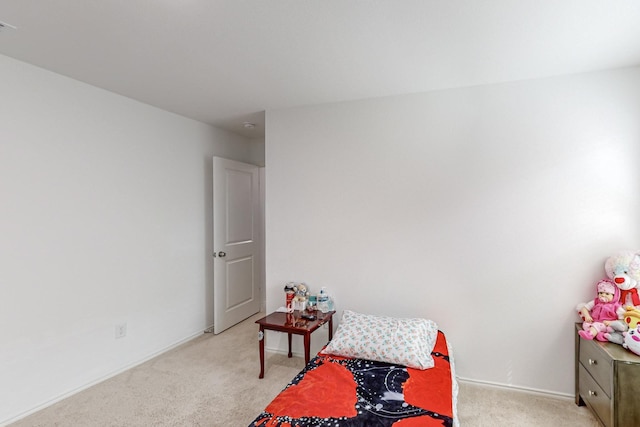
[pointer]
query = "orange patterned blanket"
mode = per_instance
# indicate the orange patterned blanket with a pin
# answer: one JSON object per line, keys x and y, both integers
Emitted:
{"x": 336, "y": 391}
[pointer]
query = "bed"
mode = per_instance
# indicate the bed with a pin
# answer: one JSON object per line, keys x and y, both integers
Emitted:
{"x": 375, "y": 372}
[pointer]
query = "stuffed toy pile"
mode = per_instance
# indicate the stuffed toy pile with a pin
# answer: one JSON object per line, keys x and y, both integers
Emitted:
{"x": 623, "y": 272}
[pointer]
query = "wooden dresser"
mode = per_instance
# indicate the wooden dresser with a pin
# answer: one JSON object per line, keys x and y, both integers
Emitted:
{"x": 608, "y": 381}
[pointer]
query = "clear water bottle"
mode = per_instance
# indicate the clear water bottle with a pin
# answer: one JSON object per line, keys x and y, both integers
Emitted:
{"x": 323, "y": 300}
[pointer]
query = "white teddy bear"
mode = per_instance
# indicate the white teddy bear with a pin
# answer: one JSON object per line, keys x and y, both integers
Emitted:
{"x": 624, "y": 269}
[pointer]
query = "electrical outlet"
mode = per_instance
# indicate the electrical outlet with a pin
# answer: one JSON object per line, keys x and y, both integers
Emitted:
{"x": 121, "y": 330}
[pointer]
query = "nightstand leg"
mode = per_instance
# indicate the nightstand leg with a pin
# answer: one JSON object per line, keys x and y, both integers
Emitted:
{"x": 307, "y": 348}
{"x": 289, "y": 338}
{"x": 261, "y": 347}
{"x": 330, "y": 328}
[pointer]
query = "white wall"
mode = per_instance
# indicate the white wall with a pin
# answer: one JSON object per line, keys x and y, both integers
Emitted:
{"x": 489, "y": 209}
{"x": 105, "y": 218}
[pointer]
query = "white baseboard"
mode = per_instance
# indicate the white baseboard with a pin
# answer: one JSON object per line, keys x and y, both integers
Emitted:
{"x": 70, "y": 393}
{"x": 284, "y": 352}
{"x": 538, "y": 392}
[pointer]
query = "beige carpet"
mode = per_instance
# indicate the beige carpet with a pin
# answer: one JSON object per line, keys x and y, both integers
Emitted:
{"x": 213, "y": 381}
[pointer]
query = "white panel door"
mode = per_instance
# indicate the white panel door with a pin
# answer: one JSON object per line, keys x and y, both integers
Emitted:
{"x": 236, "y": 204}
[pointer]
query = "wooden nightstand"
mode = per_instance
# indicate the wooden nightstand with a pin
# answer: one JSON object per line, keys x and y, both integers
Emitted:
{"x": 293, "y": 323}
{"x": 607, "y": 381}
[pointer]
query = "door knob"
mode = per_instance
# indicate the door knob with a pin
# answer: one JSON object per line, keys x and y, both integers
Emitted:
{"x": 220, "y": 254}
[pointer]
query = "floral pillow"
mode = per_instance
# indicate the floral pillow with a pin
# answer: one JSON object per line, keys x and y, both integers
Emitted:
{"x": 407, "y": 342}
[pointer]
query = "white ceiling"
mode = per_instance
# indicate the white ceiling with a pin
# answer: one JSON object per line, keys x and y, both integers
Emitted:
{"x": 224, "y": 62}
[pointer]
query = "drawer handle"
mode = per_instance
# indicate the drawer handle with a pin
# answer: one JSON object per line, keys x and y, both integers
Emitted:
{"x": 593, "y": 393}
{"x": 593, "y": 362}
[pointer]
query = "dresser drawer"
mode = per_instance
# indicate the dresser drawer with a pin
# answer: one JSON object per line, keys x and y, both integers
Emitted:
{"x": 595, "y": 397}
{"x": 597, "y": 364}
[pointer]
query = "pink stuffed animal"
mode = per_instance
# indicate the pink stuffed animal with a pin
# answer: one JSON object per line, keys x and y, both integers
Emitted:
{"x": 598, "y": 313}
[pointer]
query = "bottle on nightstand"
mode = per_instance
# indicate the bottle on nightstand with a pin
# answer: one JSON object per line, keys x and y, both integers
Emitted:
{"x": 323, "y": 300}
